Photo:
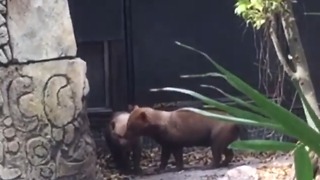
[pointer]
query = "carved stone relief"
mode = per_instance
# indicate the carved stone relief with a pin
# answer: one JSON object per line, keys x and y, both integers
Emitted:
{"x": 44, "y": 129}
{"x": 43, "y": 132}
{"x": 5, "y": 50}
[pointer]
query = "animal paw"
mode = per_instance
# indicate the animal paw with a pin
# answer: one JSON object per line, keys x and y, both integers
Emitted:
{"x": 215, "y": 165}
{"x": 125, "y": 171}
{"x": 159, "y": 169}
{"x": 137, "y": 171}
{"x": 179, "y": 168}
{"x": 224, "y": 164}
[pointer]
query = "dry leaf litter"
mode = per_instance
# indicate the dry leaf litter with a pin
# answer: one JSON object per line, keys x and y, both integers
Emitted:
{"x": 268, "y": 165}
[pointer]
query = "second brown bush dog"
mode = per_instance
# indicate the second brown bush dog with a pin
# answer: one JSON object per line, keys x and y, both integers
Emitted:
{"x": 121, "y": 148}
{"x": 174, "y": 130}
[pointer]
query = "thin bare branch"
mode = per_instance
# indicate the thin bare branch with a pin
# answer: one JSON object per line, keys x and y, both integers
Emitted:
{"x": 277, "y": 46}
{"x": 212, "y": 74}
{"x": 312, "y": 13}
{"x": 293, "y": 100}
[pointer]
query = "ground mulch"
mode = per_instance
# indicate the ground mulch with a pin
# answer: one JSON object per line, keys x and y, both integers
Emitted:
{"x": 269, "y": 165}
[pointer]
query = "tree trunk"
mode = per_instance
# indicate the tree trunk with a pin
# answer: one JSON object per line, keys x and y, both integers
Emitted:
{"x": 299, "y": 60}
{"x": 301, "y": 72}
{"x": 44, "y": 127}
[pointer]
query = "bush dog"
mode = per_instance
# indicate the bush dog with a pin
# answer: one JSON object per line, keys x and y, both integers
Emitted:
{"x": 120, "y": 147}
{"x": 173, "y": 130}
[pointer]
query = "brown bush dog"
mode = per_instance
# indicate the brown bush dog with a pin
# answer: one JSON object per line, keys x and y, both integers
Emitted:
{"x": 173, "y": 130}
{"x": 120, "y": 147}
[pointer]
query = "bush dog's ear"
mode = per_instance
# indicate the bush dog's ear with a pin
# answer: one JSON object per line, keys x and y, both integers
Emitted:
{"x": 144, "y": 117}
{"x": 131, "y": 107}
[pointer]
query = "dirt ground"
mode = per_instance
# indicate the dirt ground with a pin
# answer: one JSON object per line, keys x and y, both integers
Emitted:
{"x": 197, "y": 160}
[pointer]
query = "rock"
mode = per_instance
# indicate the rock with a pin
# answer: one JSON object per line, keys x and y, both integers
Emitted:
{"x": 3, "y": 9}
{"x": 3, "y": 58}
{"x": 2, "y": 19}
{"x": 3, "y": 35}
{"x": 57, "y": 134}
{"x": 7, "y": 51}
{"x": 69, "y": 133}
{"x": 9, "y": 173}
{"x": 241, "y": 173}
{"x": 45, "y": 104}
{"x": 9, "y": 132}
{"x": 1, "y": 153}
{"x": 40, "y": 30}
{"x": 13, "y": 147}
{"x": 7, "y": 121}
{"x": 3, "y": 2}
{"x": 44, "y": 128}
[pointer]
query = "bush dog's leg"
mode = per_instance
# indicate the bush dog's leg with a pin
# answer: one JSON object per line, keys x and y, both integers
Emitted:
{"x": 124, "y": 164}
{"x": 178, "y": 156}
{"x": 116, "y": 155}
{"x": 228, "y": 153}
{"x": 114, "y": 149}
{"x": 136, "y": 156}
{"x": 120, "y": 158}
{"x": 216, "y": 153}
{"x": 165, "y": 155}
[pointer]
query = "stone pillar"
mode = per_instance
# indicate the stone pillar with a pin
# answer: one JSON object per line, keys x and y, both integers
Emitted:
{"x": 44, "y": 129}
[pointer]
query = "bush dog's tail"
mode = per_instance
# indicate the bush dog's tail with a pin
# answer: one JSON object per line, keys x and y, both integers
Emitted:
{"x": 243, "y": 132}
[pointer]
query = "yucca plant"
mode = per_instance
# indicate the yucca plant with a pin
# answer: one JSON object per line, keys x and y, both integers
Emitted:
{"x": 262, "y": 112}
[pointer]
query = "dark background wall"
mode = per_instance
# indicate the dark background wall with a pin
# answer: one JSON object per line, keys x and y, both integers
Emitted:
{"x": 129, "y": 48}
{"x": 308, "y": 26}
{"x": 210, "y": 26}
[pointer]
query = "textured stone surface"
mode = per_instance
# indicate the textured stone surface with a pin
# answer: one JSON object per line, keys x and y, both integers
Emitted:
{"x": 5, "y": 50}
{"x": 44, "y": 132}
{"x": 241, "y": 173}
{"x": 40, "y": 30}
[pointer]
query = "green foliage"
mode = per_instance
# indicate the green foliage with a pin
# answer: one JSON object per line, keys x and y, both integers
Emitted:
{"x": 303, "y": 166}
{"x": 263, "y": 112}
{"x": 315, "y": 124}
{"x": 257, "y": 12}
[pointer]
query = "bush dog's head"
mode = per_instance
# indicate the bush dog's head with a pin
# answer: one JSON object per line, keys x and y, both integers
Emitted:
{"x": 138, "y": 122}
{"x": 118, "y": 127}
